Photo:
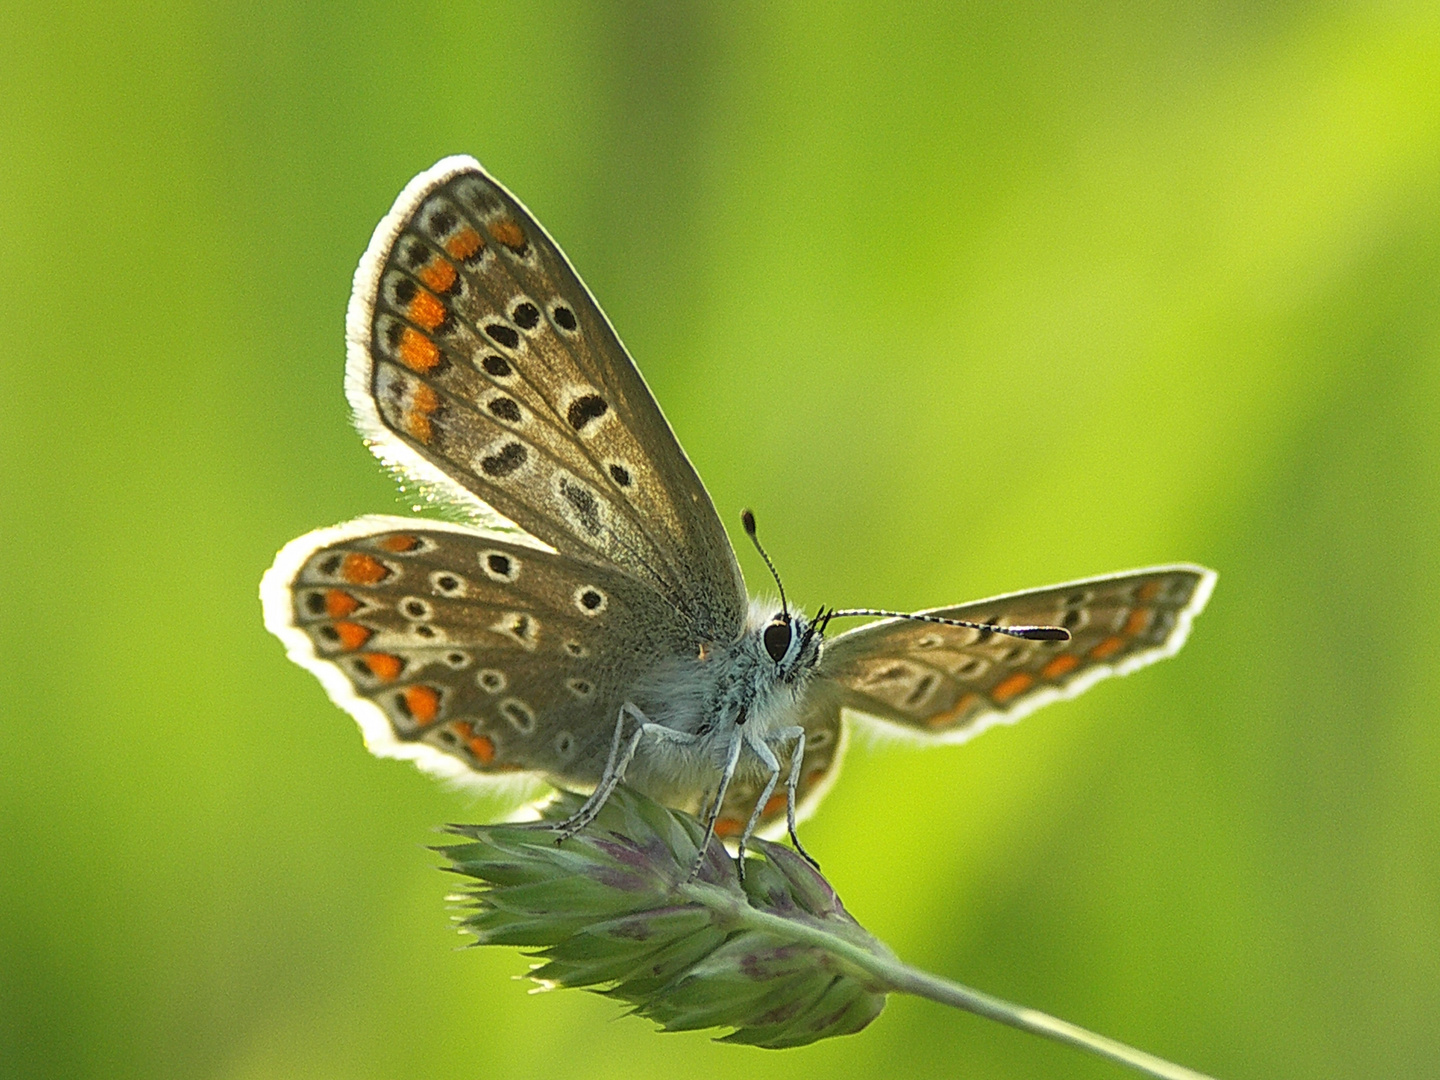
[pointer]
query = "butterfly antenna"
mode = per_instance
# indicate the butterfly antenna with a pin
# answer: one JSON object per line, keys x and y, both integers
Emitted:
{"x": 1025, "y": 633}
{"x": 817, "y": 626}
{"x": 825, "y": 622}
{"x": 747, "y": 518}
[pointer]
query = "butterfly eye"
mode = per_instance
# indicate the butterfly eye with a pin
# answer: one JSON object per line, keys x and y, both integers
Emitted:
{"x": 777, "y": 639}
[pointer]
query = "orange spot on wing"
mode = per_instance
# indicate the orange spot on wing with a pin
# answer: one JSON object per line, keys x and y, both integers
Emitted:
{"x": 464, "y": 244}
{"x": 1012, "y": 686}
{"x": 1139, "y": 619}
{"x": 1150, "y": 590}
{"x": 339, "y": 603}
{"x": 483, "y": 749}
{"x": 438, "y": 275}
{"x": 400, "y": 543}
{"x": 417, "y": 352}
{"x": 382, "y": 665}
{"x": 509, "y": 234}
{"x": 423, "y": 401}
{"x": 352, "y": 635}
{"x": 814, "y": 776}
{"x": 1061, "y": 665}
{"x": 422, "y": 703}
{"x": 426, "y": 310}
{"x": 361, "y": 569}
{"x": 729, "y": 826}
{"x": 774, "y": 805}
{"x": 1109, "y": 647}
{"x": 954, "y": 713}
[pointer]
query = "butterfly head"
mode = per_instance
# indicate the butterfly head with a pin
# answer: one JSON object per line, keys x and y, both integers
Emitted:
{"x": 793, "y": 642}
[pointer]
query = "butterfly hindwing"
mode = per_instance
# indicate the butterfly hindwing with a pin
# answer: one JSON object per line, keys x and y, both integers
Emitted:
{"x": 950, "y": 682}
{"x": 473, "y": 653}
{"x": 480, "y": 364}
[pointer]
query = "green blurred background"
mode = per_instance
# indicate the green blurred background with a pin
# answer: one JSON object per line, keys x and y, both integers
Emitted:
{"x": 960, "y": 298}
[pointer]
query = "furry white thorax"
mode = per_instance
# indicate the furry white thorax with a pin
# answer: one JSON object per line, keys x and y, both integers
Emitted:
{"x": 726, "y": 692}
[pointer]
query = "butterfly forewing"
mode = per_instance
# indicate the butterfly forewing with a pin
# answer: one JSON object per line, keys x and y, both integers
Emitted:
{"x": 951, "y": 682}
{"x": 497, "y": 655}
{"x": 476, "y": 350}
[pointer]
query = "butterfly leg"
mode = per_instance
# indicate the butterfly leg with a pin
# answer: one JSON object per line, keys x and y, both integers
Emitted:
{"x": 591, "y": 806}
{"x": 797, "y": 733}
{"x": 616, "y": 765}
{"x": 772, "y": 764}
{"x": 764, "y": 751}
{"x": 732, "y": 760}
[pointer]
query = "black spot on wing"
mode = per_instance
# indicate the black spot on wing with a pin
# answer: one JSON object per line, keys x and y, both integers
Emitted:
{"x": 585, "y": 410}
{"x": 505, "y": 461}
{"x": 503, "y": 335}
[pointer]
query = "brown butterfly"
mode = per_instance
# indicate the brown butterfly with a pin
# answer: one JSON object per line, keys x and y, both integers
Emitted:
{"x": 589, "y": 622}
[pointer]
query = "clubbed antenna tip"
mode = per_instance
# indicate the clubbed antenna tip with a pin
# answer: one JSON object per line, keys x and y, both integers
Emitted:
{"x": 747, "y": 519}
{"x": 1041, "y": 633}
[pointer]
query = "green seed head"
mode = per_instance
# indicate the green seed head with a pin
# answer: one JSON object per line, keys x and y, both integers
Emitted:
{"x": 615, "y": 909}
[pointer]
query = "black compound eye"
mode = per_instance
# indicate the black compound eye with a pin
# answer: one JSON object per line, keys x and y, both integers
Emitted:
{"x": 777, "y": 639}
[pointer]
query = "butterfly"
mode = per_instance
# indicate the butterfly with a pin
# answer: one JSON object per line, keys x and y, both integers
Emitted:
{"x": 588, "y": 623}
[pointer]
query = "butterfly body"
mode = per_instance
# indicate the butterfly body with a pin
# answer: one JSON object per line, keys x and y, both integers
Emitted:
{"x": 588, "y": 620}
{"x": 711, "y": 696}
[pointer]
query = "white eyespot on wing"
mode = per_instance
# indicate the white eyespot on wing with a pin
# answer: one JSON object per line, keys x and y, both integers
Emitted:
{"x": 500, "y": 566}
{"x": 491, "y": 680}
{"x": 525, "y": 314}
{"x": 590, "y": 601}
{"x": 501, "y": 333}
{"x": 621, "y": 473}
{"x": 448, "y": 584}
{"x": 415, "y": 609}
{"x": 818, "y": 740}
{"x": 520, "y": 716}
{"x": 520, "y": 627}
{"x": 563, "y": 317}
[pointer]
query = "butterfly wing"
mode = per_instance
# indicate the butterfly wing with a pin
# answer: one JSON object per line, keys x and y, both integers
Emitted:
{"x": 481, "y": 366}
{"x": 949, "y": 683}
{"x": 481, "y": 657}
